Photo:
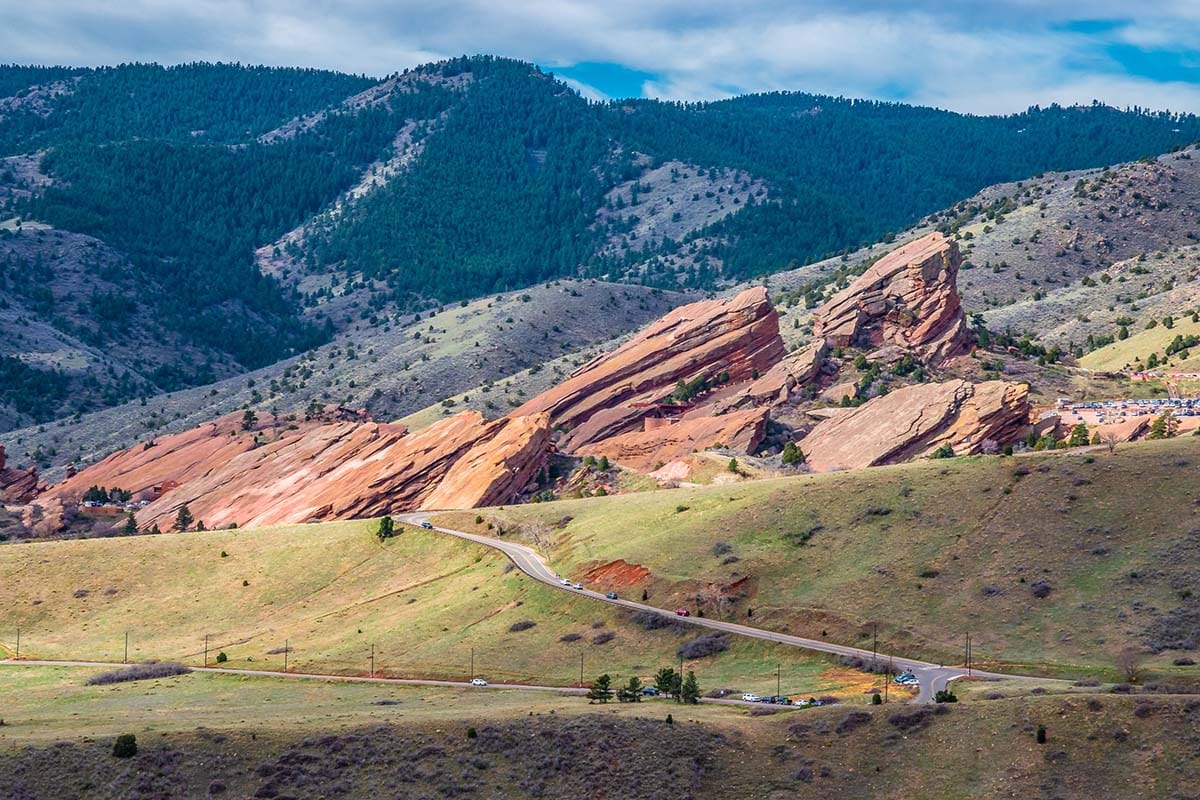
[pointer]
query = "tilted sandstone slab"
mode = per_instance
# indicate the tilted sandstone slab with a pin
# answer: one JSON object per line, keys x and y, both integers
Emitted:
{"x": 495, "y": 470}
{"x": 739, "y": 336}
{"x": 647, "y": 450}
{"x": 18, "y": 485}
{"x": 325, "y": 469}
{"x": 778, "y": 385}
{"x": 909, "y": 298}
{"x": 916, "y": 420}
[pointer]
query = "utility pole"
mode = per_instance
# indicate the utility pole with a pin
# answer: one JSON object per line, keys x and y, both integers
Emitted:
{"x": 581, "y": 670}
{"x": 206, "y": 649}
{"x": 372, "y": 660}
{"x": 285, "y": 654}
{"x": 887, "y": 679}
{"x": 472, "y": 675}
{"x": 874, "y": 643}
{"x": 970, "y": 655}
{"x": 18, "y": 655}
{"x": 777, "y": 680}
{"x": 126, "y": 660}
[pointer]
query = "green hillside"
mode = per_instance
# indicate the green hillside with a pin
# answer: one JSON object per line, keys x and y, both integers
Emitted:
{"x": 1055, "y": 564}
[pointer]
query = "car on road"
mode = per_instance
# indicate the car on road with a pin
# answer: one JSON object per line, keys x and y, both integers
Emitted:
{"x": 906, "y": 679}
{"x": 564, "y": 581}
{"x": 577, "y": 586}
{"x": 750, "y": 697}
{"x": 783, "y": 701}
{"x": 427, "y": 525}
{"x": 611, "y": 595}
{"x": 478, "y": 682}
{"x": 650, "y": 691}
{"x": 682, "y": 612}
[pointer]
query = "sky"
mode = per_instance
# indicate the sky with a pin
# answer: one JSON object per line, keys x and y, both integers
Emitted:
{"x": 996, "y": 56}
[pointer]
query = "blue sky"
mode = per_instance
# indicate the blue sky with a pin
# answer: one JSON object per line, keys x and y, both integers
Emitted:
{"x": 967, "y": 55}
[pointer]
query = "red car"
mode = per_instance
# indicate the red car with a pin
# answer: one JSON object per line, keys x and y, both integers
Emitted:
{"x": 683, "y": 612}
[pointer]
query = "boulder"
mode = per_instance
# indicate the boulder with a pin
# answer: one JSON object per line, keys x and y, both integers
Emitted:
{"x": 645, "y": 450}
{"x": 610, "y": 395}
{"x": 916, "y": 420}
{"x": 909, "y": 299}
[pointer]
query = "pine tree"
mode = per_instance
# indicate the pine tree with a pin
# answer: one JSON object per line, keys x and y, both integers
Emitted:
{"x": 386, "y": 529}
{"x": 184, "y": 519}
{"x": 601, "y": 689}
{"x": 1165, "y": 426}
{"x": 1079, "y": 436}
{"x": 690, "y": 692}
{"x": 130, "y": 527}
{"x": 631, "y": 692}
{"x": 665, "y": 682}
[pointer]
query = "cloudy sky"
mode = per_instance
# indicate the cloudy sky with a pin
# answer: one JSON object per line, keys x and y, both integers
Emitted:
{"x": 983, "y": 57}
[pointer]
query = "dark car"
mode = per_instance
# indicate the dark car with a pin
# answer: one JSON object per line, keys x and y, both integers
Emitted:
{"x": 768, "y": 699}
{"x": 611, "y": 595}
{"x": 427, "y": 526}
{"x": 650, "y": 691}
{"x": 682, "y": 612}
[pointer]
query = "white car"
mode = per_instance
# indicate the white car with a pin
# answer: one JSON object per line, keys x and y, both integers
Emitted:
{"x": 577, "y": 586}
{"x": 750, "y": 697}
{"x": 478, "y": 682}
{"x": 564, "y": 581}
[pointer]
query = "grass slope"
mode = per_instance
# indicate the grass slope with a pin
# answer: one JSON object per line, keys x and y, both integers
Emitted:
{"x": 928, "y": 551}
{"x": 1132, "y": 353}
{"x": 311, "y": 738}
{"x": 424, "y": 600}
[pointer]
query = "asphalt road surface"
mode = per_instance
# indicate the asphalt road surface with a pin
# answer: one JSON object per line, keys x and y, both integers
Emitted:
{"x": 933, "y": 678}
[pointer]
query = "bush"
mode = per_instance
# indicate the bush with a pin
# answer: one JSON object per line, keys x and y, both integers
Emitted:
{"x": 603, "y": 638}
{"x": 945, "y": 696}
{"x": 1041, "y": 734}
{"x": 221, "y": 657}
{"x": 523, "y": 625}
{"x": 139, "y": 672}
{"x": 1041, "y": 589}
{"x": 721, "y": 548}
{"x": 649, "y": 621}
{"x": 472, "y": 733}
{"x": 707, "y": 645}
{"x": 876, "y": 700}
{"x": 125, "y": 746}
{"x": 570, "y": 637}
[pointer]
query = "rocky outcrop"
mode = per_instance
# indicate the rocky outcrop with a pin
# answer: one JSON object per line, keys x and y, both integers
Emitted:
{"x": 323, "y": 469}
{"x": 779, "y": 384}
{"x": 647, "y": 450}
{"x": 495, "y": 469}
{"x": 609, "y": 396}
{"x": 909, "y": 299}
{"x": 18, "y": 485}
{"x": 916, "y": 420}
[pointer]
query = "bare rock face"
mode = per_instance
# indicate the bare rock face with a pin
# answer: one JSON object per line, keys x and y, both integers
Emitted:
{"x": 909, "y": 299}
{"x": 647, "y": 450}
{"x": 780, "y": 382}
{"x": 324, "y": 469}
{"x": 496, "y": 469}
{"x": 916, "y": 420}
{"x": 18, "y": 485}
{"x": 608, "y": 396}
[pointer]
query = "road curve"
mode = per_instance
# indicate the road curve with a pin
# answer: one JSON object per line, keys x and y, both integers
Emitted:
{"x": 932, "y": 677}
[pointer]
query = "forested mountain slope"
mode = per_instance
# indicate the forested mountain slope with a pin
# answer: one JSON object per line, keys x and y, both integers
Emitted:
{"x": 250, "y": 213}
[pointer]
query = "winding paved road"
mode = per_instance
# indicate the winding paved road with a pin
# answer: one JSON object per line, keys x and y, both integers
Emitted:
{"x": 933, "y": 678}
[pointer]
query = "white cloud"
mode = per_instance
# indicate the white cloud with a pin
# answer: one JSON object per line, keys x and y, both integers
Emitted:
{"x": 959, "y": 54}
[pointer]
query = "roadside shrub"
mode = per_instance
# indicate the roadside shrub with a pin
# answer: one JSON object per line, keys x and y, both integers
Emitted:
{"x": 1184, "y": 661}
{"x": 139, "y": 672}
{"x": 523, "y": 625}
{"x": 707, "y": 645}
{"x": 221, "y": 657}
{"x": 649, "y": 621}
{"x": 125, "y": 746}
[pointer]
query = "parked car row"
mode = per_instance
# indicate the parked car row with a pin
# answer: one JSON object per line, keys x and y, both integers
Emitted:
{"x": 906, "y": 679}
{"x": 781, "y": 700}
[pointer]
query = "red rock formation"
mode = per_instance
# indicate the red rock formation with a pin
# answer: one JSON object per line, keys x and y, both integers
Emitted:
{"x": 739, "y": 336}
{"x": 322, "y": 469}
{"x": 496, "y": 469}
{"x": 780, "y": 382}
{"x": 909, "y": 298}
{"x": 18, "y": 485}
{"x": 647, "y": 450}
{"x": 916, "y": 420}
